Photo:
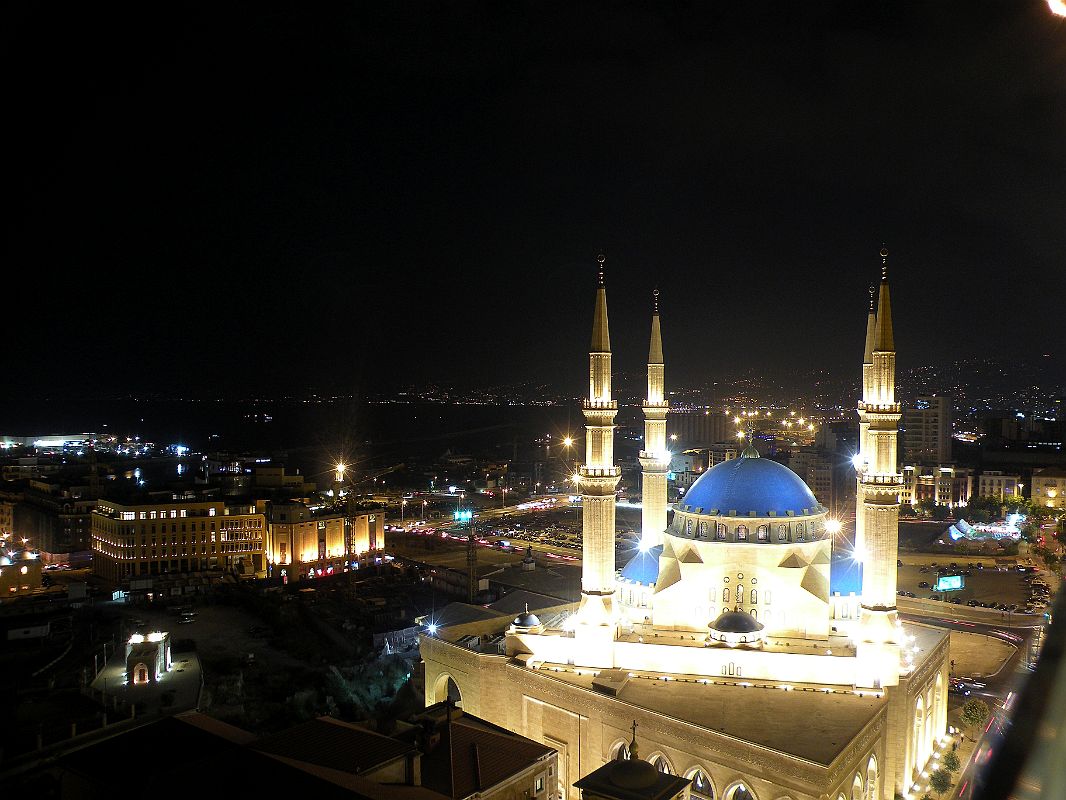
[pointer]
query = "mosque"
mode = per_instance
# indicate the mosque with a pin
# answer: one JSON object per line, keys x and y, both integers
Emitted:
{"x": 733, "y": 638}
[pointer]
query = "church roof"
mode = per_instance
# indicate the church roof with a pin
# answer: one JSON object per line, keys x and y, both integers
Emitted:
{"x": 643, "y": 568}
{"x": 740, "y": 486}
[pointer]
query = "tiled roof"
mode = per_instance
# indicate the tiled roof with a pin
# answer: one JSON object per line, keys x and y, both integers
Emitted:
{"x": 331, "y": 743}
{"x": 472, "y": 757}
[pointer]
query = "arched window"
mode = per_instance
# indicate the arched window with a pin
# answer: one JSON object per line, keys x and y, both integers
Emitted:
{"x": 688, "y": 526}
{"x": 721, "y": 530}
{"x": 703, "y": 529}
{"x": 701, "y": 785}
{"x": 871, "y": 779}
{"x": 660, "y": 763}
{"x": 762, "y": 533}
{"x": 710, "y": 612}
{"x": 725, "y": 595}
{"x": 740, "y": 792}
{"x": 621, "y": 752}
{"x": 742, "y": 532}
{"x": 754, "y": 613}
{"x": 782, "y": 533}
{"x": 800, "y": 531}
{"x": 766, "y": 597}
{"x": 754, "y": 597}
{"x": 856, "y": 788}
{"x": 740, "y": 594}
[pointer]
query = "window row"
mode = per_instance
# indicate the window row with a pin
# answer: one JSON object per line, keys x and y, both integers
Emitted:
{"x": 780, "y": 532}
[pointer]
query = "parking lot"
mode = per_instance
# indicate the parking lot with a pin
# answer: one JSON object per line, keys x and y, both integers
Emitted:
{"x": 983, "y": 584}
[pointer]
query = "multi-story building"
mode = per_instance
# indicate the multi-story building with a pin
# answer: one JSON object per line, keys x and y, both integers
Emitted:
{"x": 698, "y": 428}
{"x": 996, "y": 483}
{"x": 174, "y": 536}
{"x": 817, "y": 468}
{"x": 297, "y": 534}
{"x": 947, "y": 485}
{"x": 1049, "y": 487}
{"x": 927, "y": 431}
{"x": 53, "y": 513}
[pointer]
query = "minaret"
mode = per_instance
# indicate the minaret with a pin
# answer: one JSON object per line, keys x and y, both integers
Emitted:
{"x": 877, "y": 502}
{"x": 598, "y": 478}
{"x": 654, "y": 458}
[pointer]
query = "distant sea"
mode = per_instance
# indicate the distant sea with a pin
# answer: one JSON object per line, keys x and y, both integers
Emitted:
{"x": 306, "y": 434}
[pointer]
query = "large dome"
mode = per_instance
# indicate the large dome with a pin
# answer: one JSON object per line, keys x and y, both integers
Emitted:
{"x": 747, "y": 485}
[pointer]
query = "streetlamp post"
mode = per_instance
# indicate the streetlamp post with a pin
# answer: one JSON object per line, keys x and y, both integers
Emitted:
{"x": 403, "y": 505}
{"x": 503, "y": 496}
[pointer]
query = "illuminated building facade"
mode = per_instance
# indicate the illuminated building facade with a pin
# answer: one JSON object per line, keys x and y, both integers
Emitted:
{"x": 20, "y": 570}
{"x": 148, "y": 657}
{"x": 298, "y": 535}
{"x": 746, "y": 668}
{"x": 1049, "y": 487}
{"x": 179, "y": 536}
{"x": 948, "y": 485}
{"x": 996, "y": 483}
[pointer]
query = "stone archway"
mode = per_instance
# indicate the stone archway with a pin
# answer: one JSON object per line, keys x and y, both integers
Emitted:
{"x": 871, "y": 779}
{"x": 445, "y": 688}
{"x": 917, "y": 729}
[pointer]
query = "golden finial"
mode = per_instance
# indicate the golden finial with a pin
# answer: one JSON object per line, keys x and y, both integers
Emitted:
{"x": 600, "y": 259}
{"x": 871, "y": 290}
{"x": 884, "y": 263}
{"x": 633, "y": 754}
{"x": 655, "y": 299}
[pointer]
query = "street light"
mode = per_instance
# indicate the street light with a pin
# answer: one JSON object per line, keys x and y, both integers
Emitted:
{"x": 503, "y": 497}
{"x": 403, "y": 505}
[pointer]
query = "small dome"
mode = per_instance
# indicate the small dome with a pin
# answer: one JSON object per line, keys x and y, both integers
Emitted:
{"x": 643, "y": 568}
{"x": 740, "y": 486}
{"x": 27, "y": 555}
{"x": 5, "y": 561}
{"x": 526, "y": 620}
{"x": 632, "y": 773}
{"x": 736, "y": 622}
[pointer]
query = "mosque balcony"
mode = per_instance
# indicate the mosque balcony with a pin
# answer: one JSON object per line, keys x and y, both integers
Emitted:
{"x": 878, "y": 481}
{"x": 599, "y": 405}
{"x": 652, "y": 460}
{"x": 600, "y": 472}
{"x": 880, "y": 408}
{"x": 656, "y": 405}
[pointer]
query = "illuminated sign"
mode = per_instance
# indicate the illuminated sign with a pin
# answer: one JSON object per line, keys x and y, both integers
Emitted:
{"x": 463, "y": 516}
{"x": 948, "y": 583}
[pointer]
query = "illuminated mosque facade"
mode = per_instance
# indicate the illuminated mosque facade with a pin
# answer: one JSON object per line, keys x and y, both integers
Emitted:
{"x": 756, "y": 660}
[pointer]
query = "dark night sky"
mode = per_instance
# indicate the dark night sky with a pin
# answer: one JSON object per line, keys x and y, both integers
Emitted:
{"x": 244, "y": 199}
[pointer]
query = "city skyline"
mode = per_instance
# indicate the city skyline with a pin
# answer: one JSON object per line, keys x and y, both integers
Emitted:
{"x": 417, "y": 193}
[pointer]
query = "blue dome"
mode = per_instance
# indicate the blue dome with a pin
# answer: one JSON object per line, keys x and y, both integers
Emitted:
{"x": 845, "y": 574}
{"x": 643, "y": 568}
{"x": 742, "y": 485}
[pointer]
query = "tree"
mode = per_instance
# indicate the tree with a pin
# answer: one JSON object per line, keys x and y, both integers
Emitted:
{"x": 940, "y": 781}
{"x": 950, "y": 761}
{"x": 974, "y": 712}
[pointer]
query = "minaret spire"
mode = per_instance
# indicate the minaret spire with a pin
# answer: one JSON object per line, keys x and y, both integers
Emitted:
{"x": 883, "y": 339}
{"x": 601, "y": 337}
{"x": 654, "y": 457}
